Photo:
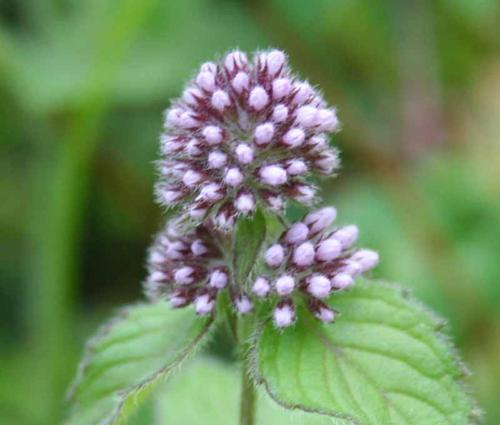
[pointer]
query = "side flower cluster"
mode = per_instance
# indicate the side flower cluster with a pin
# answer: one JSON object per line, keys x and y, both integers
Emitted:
{"x": 308, "y": 261}
{"x": 243, "y": 133}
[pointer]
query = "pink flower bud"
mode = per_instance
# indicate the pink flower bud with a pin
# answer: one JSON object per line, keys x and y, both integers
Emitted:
{"x": 320, "y": 219}
{"x": 203, "y": 304}
{"x": 303, "y": 255}
{"x": 328, "y": 250}
{"x": 191, "y": 178}
{"x": 177, "y": 301}
{"x": 280, "y": 113}
{"x": 304, "y": 193}
{"x": 327, "y": 162}
{"x": 245, "y": 203}
{"x": 325, "y": 314}
{"x": 296, "y": 167}
{"x": 233, "y": 177}
{"x": 217, "y": 159}
{"x": 342, "y": 281}
{"x": 264, "y": 133}
{"x": 184, "y": 275}
{"x": 294, "y": 137}
{"x": 281, "y": 88}
{"x": 306, "y": 116}
{"x": 273, "y": 175}
{"x": 275, "y": 61}
{"x": 157, "y": 277}
{"x": 209, "y": 67}
{"x": 303, "y": 92}
{"x": 240, "y": 82}
{"x": 212, "y": 134}
{"x": 284, "y": 285}
{"x": 206, "y": 80}
{"x": 366, "y": 258}
{"x": 327, "y": 120}
{"x": 234, "y": 61}
{"x": 187, "y": 121}
{"x": 244, "y": 154}
{"x": 198, "y": 248}
{"x": 218, "y": 279}
{"x": 261, "y": 287}
{"x": 192, "y": 96}
{"x": 319, "y": 286}
{"x": 175, "y": 250}
{"x": 274, "y": 255}
{"x": 243, "y": 305}
{"x": 193, "y": 147}
{"x": 317, "y": 143}
{"x": 347, "y": 235}
{"x": 170, "y": 195}
{"x": 297, "y": 233}
{"x": 284, "y": 315}
{"x": 220, "y": 100}
{"x": 275, "y": 202}
{"x": 210, "y": 192}
{"x": 258, "y": 98}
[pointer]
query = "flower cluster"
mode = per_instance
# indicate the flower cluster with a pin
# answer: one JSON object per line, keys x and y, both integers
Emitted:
{"x": 308, "y": 260}
{"x": 243, "y": 133}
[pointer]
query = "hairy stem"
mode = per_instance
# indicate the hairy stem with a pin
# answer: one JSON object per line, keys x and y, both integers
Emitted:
{"x": 248, "y": 401}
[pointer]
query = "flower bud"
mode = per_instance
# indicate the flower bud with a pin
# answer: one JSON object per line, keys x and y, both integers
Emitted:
{"x": 319, "y": 220}
{"x": 294, "y": 137}
{"x": 203, "y": 304}
{"x": 217, "y": 159}
{"x": 261, "y": 287}
{"x": 319, "y": 286}
{"x": 218, "y": 279}
{"x": 274, "y": 255}
{"x": 244, "y": 154}
{"x": 212, "y": 134}
{"x": 297, "y": 233}
{"x": 366, "y": 258}
{"x": 258, "y": 98}
{"x": 328, "y": 250}
{"x": 184, "y": 275}
{"x": 280, "y": 113}
{"x": 284, "y": 285}
{"x": 342, "y": 281}
{"x": 245, "y": 202}
{"x": 240, "y": 82}
{"x": 263, "y": 134}
{"x": 284, "y": 315}
{"x": 243, "y": 304}
{"x": 346, "y": 235}
{"x": 281, "y": 88}
{"x": 220, "y": 100}
{"x": 303, "y": 255}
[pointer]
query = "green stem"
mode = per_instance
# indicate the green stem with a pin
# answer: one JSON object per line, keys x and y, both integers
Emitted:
{"x": 248, "y": 399}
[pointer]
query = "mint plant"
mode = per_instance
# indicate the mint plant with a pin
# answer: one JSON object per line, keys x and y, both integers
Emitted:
{"x": 242, "y": 143}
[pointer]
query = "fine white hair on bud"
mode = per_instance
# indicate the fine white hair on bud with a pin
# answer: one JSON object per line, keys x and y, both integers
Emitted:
{"x": 258, "y": 98}
{"x": 275, "y": 255}
{"x": 245, "y": 202}
{"x": 212, "y": 134}
{"x": 294, "y": 137}
{"x": 284, "y": 285}
{"x": 273, "y": 175}
{"x": 240, "y": 82}
{"x": 261, "y": 287}
{"x": 297, "y": 233}
{"x": 247, "y": 125}
{"x": 284, "y": 315}
{"x": 217, "y": 159}
{"x": 233, "y": 177}
{"x": 218, "y": 279}
{"x": 303, "y": 255}
{"x": 264, "y": 133}
{"x": 319, "y": 286}
{"x": 220, "y": 100}
{"x": 244, "y": 154}
{"x": 280, "y": 113}
{"x": 320, "y": 219}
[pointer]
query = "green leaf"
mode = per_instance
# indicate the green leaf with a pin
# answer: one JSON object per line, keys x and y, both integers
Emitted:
{"x": 250, "y": 234}
{"x": 384, "y": 361}
{"x": 128, "y": 357}
{"x": 204, "y": 394}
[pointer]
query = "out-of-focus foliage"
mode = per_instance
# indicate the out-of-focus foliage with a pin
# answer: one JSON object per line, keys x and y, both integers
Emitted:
{"x": 82, "y": 88}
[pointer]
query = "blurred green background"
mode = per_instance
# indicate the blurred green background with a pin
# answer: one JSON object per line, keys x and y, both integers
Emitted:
{"x": 82, "y": 88}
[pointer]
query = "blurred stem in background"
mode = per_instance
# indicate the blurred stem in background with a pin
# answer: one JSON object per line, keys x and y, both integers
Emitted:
{"x": 58, "y": 222}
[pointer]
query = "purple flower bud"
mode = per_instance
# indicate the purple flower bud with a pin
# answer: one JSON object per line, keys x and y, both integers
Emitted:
{"x": 220, "y": 100}
{"x": 281, "y": 88}
{"x": 187, "y": 121}
{"x": 264, "y": 134}
{"x": 296, "y": 167}
{"x": 244, "y": 154}
{"x": 173, "y": 117}
{"x": 280, "y": 113}
{"x": 275, "y": 61}
{"x": 233, "y": 177}
{"x": 303, "y": 255}
{"x": 294, "y": 137}
{"x": 366, "y": 258}
{"x": 198, "y": 248}
{"x": 347, "y": 235}
{"x": 274, "y": 255}
{"x": 319, "y": 220}
{"x": 210, "y": 192}
{"x": 203, "y": 304}
{"x": 192, "y": 96}
{"x": 325, "y": 314}
{"x": 327, "y": 120}
{"x": 191, "y": 178}
{"x": 193, "y": 147}
{"x": 273, "y": 175}
{"x": 328, "y": 250}
{"x": 258, "y": 98}
{"x": 217, "y": 159}
{"x": 304, "y": 193}
{"x": 284, "y": 315}
{"x": 327, "y": 162}
{"x": 206, "y": 80}
{"x": 218, "y": 279}
{"x": 284, "y": 285}
{"x": 243, "y": 304}
{"x": 212, "y": 134}
{"x": 184, "y": 275}
{"x": 261, "y": 287}
{"x": 297, "y": 233}
{"x": 306, "y": 116}
{"x": 303, "y": 91}
{"x": 245, "y": 202}
{"x": 319, "y": 286}
{"x": 240, "y": 82}
{"x": 234, "y": 61}
{"x": 342, "y": 281}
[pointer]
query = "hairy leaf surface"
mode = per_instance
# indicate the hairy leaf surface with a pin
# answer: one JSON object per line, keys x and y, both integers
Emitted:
{"x": 382, "y": 362}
